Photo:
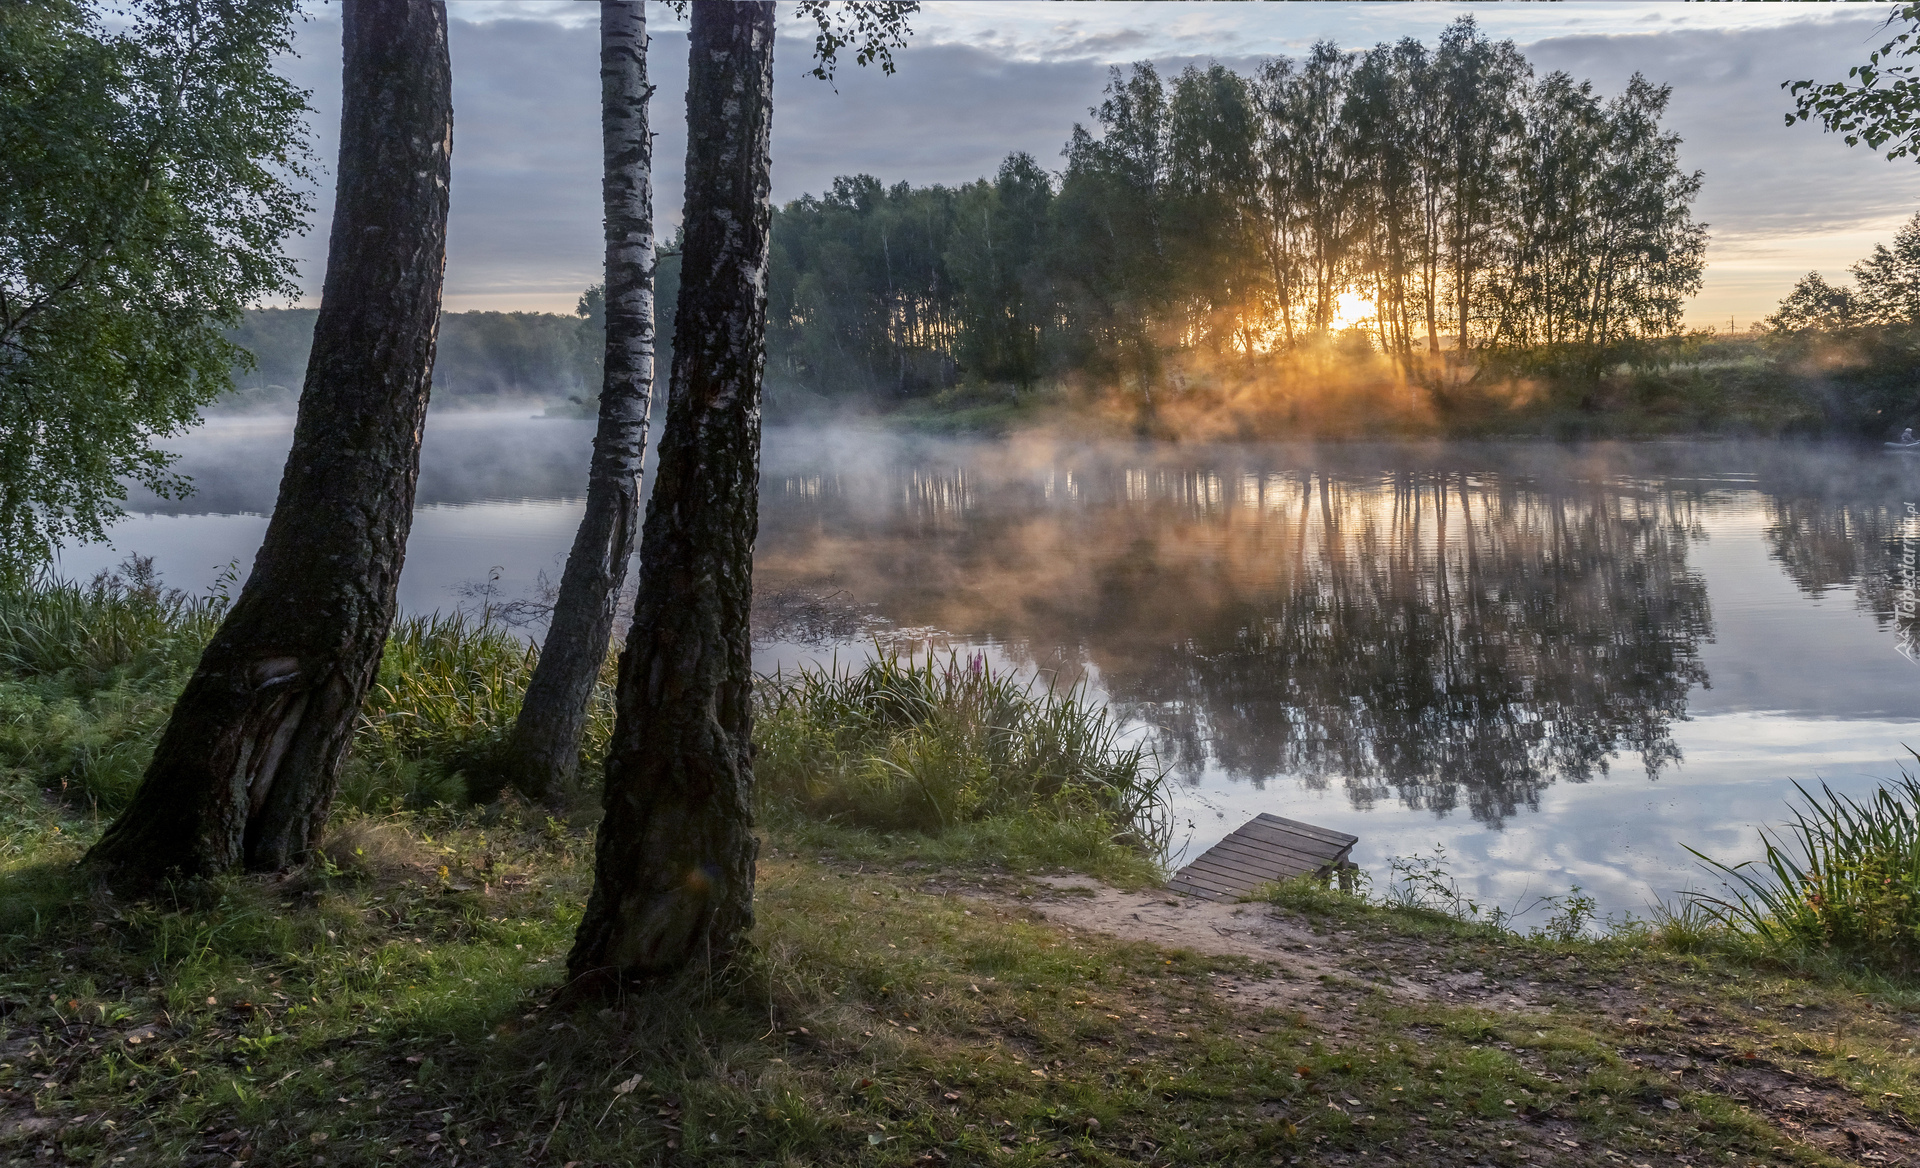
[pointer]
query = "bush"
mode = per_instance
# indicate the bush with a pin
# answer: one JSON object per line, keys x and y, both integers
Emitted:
{"x": 89, "y": 674}
{"x": 1843, "y": 876}
{"x": 929, "y": 748}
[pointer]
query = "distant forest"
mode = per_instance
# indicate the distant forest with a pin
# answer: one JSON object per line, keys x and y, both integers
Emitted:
{"x": 482, "y": 355}
{"x": 1386, "y": 241}
{"x": 1410, "y": 201}
{"x": 1435, "y": 207}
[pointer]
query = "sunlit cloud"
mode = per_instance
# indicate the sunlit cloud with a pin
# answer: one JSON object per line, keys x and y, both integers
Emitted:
{"x": 980, "y": 80}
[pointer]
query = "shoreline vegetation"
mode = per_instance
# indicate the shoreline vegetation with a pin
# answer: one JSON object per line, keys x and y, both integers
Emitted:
{"x": 917, "y": 992}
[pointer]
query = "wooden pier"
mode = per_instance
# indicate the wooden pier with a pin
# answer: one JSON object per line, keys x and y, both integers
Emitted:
{"x": 1264, "y": 849}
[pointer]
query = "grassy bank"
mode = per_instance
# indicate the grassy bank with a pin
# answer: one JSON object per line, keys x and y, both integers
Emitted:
{"x": 917, "y": 992}
{"x": 388, "y": 1006}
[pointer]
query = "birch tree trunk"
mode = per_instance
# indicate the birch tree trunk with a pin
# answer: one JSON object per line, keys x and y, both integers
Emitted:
{"x": 246, "y": 768}
{"x": 544, "y": 752}
{"x": 674, "y": 856}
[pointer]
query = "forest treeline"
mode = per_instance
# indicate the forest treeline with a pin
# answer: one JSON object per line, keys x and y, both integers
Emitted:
{"x": 481, "y": 355}
{"x": 1430, "y": 205}
{"x": 1858, "y": 345}
{"x": 1407, "y": 200}
{"x": 1401, "y": 239}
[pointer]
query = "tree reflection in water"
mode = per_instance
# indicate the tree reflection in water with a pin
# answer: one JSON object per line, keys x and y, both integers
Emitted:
{"x": 1443, "y": 638}
{"x": 1451, "y": 629}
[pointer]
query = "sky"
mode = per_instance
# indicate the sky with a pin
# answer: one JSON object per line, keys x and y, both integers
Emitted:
{"x": 979, "y": 80}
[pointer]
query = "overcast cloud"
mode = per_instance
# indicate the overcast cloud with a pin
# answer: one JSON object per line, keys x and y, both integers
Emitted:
{"x": 981, "y": 80}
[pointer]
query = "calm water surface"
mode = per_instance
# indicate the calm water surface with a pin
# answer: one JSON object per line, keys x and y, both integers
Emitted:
{"x": 1561, "y": 664}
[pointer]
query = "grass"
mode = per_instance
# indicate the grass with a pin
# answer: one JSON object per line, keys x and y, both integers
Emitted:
{"x": 88, "y": 673}
{"x": 905, "y": 1000}
{"x": 958, "y": 752}
{"x": 1842, "y": 877}
{"x": 390, "y": 1002}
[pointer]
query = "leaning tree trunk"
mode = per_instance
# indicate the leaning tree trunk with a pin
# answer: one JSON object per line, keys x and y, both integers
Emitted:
{"x": 545, "y": 749}
{"x": 673, "y": 865}
{"x": 246, "y": 767}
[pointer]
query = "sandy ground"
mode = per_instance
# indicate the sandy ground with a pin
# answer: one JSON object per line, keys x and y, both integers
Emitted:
{"x": 1309, "y": 969}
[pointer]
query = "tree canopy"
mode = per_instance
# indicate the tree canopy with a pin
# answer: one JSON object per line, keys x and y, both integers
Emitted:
{"x": 1879, "y": 103}
{"x": 148, "y": 179}
{"x": 1420, "y": 199}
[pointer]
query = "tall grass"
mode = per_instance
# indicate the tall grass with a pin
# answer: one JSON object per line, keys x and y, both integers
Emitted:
{"x": 439, "y": 713}
{"x": 933, "y": 747}
{"x": 89, "y": 673}
{"x": 987, "y": 763}
{"x": 1843, "y": 876}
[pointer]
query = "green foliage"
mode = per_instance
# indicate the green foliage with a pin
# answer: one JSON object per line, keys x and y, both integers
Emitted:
{"x": 480, "y": 355}
{"x": 1842, "y": 876}
{"x": 1879, "y": 104}
{"x": 148, "y": 178}
{"x": 88, "y": 674}
{"x": 442, "y": 707}
{"x": 1857, "y": 343}
{"x": 1214, "y": 217}
{"x": 930, "y": 748}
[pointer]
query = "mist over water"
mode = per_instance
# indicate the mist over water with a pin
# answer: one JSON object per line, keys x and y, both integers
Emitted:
{"x": 1561, "y": 663}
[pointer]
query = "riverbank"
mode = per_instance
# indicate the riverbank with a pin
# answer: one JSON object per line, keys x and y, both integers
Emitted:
{"x": 1007, "y": 985}
{"x": 1730, "y": 387}
{"x": 390, "y": 1005}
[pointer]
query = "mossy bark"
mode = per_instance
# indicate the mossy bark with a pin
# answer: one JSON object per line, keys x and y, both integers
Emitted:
{"x": 674, "y": 857}
{"x": 245, "y": 771}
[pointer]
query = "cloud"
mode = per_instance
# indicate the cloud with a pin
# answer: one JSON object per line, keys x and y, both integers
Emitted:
{"x": 980, "y": 81}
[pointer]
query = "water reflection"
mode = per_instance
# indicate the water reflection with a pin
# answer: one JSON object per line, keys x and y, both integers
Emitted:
{"x": 1441, "y": 640}
{"x": 1451, "y": 630}
{"x": 1404, "y": 632}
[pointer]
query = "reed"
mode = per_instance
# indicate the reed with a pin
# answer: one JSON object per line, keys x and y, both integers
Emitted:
{"x": 1842, "y": 876}
{"x": 930, "y": 747}
{"x": 88, "y": 673}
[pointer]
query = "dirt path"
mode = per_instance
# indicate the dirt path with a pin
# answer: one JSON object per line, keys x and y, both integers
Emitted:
{"x": 1311, "y": 970}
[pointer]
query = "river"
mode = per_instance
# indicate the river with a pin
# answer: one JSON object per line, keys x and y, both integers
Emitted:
{"x": 1561, "y": 664}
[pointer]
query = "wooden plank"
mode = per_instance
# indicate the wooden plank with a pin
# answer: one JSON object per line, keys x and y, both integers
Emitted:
{"x": 1253, "y": 846}
{"x": 1266, "y": 848}
{"x": 1214, "y": 877}
{"x": 1206, "y": 883}
{"x": 1247, "y": 871}
{"x": 1238, "y": 876}
{"x": 1286, "y": 836}
{"x": 1326, "y": 833}
{"x": 1319, "y": 836}
{"x": 1279, "y": 855}
{"x": 1313, "y": 858}
{"x": 1254, "y": 860}
{"x": 1304, "y": 828}
{"x": 1205, "y": 890}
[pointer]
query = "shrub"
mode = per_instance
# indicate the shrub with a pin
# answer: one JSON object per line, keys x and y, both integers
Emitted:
{"x": 89, "y": 674}
{"x": 1843, "y": 875}
{"x": 928, "y": 748}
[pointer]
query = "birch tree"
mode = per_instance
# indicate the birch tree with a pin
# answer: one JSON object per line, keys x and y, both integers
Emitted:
{"x": 245, "y": 770}
{"x": 544, "y": 750}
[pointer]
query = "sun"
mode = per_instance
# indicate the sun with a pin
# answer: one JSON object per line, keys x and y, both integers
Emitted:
{"x": 1350, "y": 309}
